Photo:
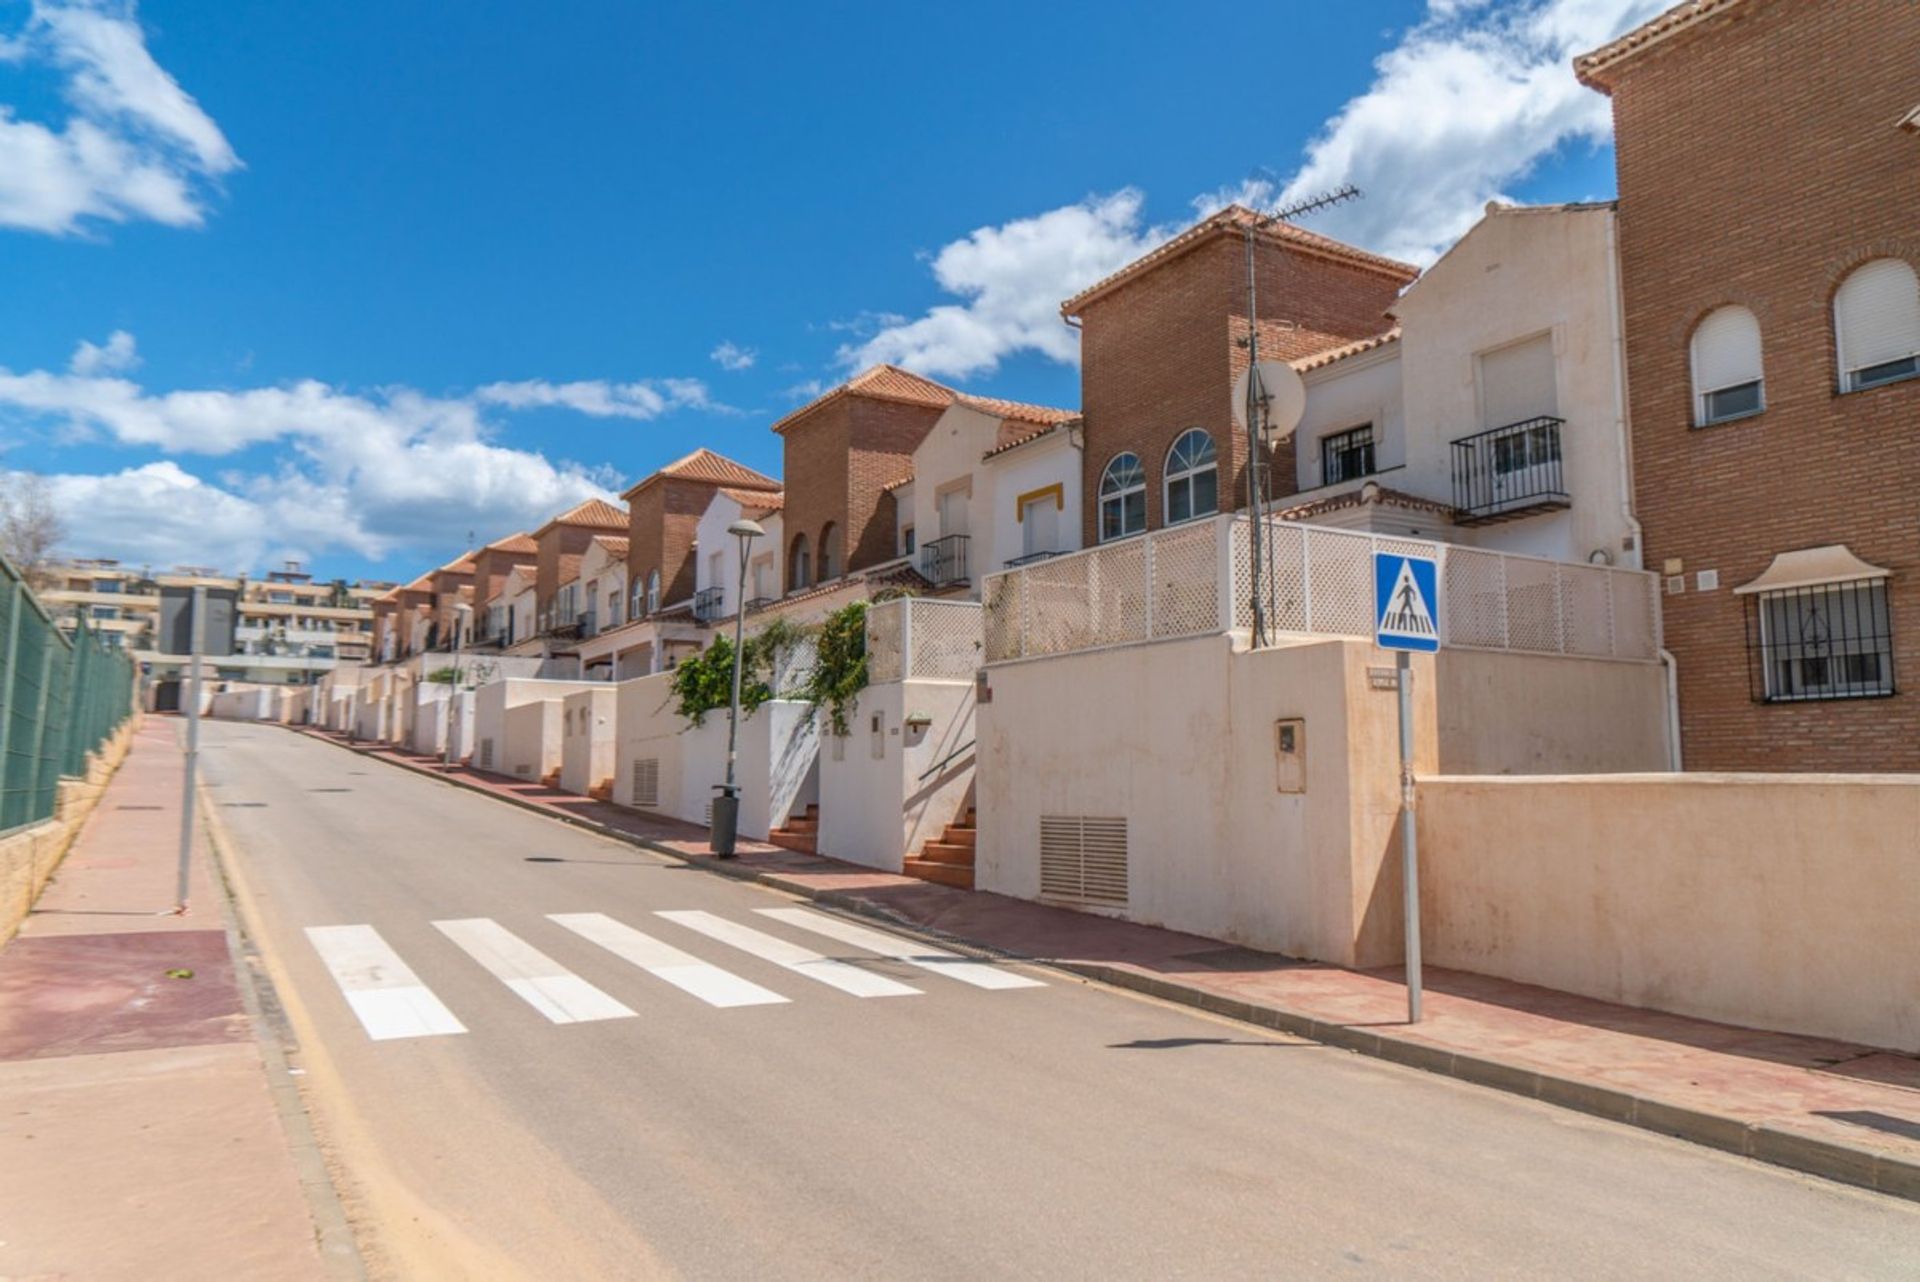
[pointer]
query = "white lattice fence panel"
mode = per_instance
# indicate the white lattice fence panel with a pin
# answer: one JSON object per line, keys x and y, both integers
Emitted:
{"x": 1059, "y": 605}
{"x": 1533, "y": 606}
{"x": 945, "y": 640}
{"x": 1586, "y": 610}
{"x": 1003, "y": 612}
{"x": 1636, "y": 614}
{"x": 1474, "y": 598}
{"x": 1339, "y": 568}
{"x": 1118, "y": 593}
{"x": 793, "y": 665}
{"x": 885, "y": 662}
{"x": 1186, "y": 584}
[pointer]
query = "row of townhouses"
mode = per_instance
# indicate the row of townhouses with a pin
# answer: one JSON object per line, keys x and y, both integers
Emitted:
{"x": 1662, "y": 451}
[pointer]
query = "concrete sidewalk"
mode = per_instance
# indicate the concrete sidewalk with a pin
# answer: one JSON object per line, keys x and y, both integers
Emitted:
{"x": 139, "y": 1136}
{"x": 1833, "y": 1109}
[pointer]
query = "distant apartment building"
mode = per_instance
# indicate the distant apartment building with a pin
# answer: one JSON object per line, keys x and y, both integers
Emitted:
{"x": 1769, "y": 247}
{"x": 287, "y": 627}
{"x": 1163, "y": 340}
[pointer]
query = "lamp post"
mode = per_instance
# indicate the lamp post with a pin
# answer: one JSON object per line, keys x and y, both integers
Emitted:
{"x": 726, "y": 807}
{"x": 461, "y": 612}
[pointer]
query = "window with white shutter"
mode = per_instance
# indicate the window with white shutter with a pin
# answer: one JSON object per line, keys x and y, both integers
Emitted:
{"x": 1517, "y": 383}
{"x": 1727, "y": 379}
{"x": 1876, "y": 322}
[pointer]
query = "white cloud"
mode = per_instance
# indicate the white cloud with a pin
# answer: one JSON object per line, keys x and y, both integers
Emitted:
{"x": 600, "y": 398}
{"x": 731, "y": 356}
{"x": 1468, "y": 101}
{"x": 396, "y": 471}
{"x": 1012, "y": 278}
{"x": 116, "y": 356}
{"x": 137, "y": 146}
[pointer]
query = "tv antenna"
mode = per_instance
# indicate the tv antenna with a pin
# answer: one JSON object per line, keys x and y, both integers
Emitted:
{"x": 1268, "y": 390}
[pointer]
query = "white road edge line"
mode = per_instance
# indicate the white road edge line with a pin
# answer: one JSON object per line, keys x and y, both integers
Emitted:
{"x": 542, "y": 982}
{"x": 952, "y": 965}
{"x": 386, "y": 996}
{"x": 684, "y": 971}
{"x": 801, "y": 961}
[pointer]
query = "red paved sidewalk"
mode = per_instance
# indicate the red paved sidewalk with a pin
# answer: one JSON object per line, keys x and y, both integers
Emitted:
{"x": 1835, "y": 1109}
{"x": 139, "y": 1137}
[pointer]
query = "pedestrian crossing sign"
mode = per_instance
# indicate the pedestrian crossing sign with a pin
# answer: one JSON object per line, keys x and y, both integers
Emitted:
{"x": 1406, "y": 597}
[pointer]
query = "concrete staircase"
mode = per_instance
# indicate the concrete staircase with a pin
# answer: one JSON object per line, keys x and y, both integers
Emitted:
{"x": 949, "y": 860}
{"x": 801, "y": 832}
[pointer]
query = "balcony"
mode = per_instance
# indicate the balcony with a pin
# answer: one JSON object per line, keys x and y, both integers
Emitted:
{"x": 756, "y": 604}
{"x": 708, "y": 603}
{"x": 944, "y": 561}
{"x": 1030, "y": 559}
{"x": 1509, "y": 472}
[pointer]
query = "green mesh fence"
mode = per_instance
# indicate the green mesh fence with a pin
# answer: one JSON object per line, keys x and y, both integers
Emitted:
{"x": 61, "y": 697}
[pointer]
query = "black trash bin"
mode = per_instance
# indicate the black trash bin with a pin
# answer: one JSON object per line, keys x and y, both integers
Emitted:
{"x": 726, "y": 820}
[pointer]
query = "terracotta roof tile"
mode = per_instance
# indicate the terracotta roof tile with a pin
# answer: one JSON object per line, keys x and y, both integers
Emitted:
{"x": 597, "y": 513}
{"x": 881, "y": 383}
{"x": 1593, "y": 68}
{"x": 1370, "y": 493}
{"x": 1018, "y": 411}
{"x": 1232, "y": 221}
{"x": 757, "y": 500}
{"x": 616, "y": 547}
{"x": 704, "y": 465}
{"x": 522, "y": 542}
{"x": 1333, "y": 354}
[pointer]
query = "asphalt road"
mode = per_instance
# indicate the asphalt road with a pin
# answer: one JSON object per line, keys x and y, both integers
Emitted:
{"x": 1061, "y": 1130}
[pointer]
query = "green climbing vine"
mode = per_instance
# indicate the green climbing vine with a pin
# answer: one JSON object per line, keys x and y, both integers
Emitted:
{"x": 703, "y": 682}
{"x": 840, "y": 672}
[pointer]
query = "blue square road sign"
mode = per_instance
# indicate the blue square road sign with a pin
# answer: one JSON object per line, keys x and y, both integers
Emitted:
{"x": 1406, "y": 602}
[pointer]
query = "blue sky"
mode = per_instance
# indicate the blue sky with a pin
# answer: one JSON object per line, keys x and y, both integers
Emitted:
{"x": 350, "y": 289}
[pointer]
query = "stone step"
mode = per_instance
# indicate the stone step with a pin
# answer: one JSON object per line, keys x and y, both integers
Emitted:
{"x": 956, "y": 875}
{"x": 802, "y": 825}
{"x": 800, "y": 841}
{"x": 955, "y": 835}
{"x": 946, "y": 852}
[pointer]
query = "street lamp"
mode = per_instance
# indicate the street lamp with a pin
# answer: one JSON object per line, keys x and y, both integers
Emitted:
{"x": 726, "y": 806}
{"x": 461, "y": 612}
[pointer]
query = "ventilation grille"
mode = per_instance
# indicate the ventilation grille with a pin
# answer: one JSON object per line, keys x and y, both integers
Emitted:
{"x": 1083, "y": 860}
{"x": 486, "y": 754}
{"x": 646, "y": 783}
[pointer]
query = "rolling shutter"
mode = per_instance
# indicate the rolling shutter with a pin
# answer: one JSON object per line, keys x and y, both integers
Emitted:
{"x": 1726, "y": 350}
{"x": 1516, "y": 383}
{"x": 1877, "y": 315}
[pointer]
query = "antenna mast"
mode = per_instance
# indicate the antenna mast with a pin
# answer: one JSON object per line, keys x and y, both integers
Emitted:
{"x": 1256, "y": 409}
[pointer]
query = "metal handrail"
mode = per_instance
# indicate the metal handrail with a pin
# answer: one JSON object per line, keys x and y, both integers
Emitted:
{"x": 939, "y": 765}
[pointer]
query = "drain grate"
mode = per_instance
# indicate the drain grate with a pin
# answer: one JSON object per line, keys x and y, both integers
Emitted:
{"x": 329, "y": 790}
{"x": 139, "y": 807}
{"x": 244, "y": 805}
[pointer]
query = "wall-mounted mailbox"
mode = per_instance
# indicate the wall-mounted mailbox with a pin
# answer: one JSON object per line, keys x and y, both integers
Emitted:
{"x": 1290, "y": 753}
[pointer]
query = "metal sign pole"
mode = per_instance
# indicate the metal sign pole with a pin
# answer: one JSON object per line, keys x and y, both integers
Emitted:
{"x": 1409, "y": 836}
{"x": 196, "y": 631}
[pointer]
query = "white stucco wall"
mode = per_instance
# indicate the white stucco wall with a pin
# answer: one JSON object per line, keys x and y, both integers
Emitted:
{"x": 710, "y": 535}
{"x": 1517, "y": 274}
{"x": 947, "y": 457}
{"x": 587, "y": 739}
{"x": 530, "y": 745}
{"x": 874, "y": 806}
{"x": 1052, "y": 460}
{"x": 1358, "y": 391}
{"x": 492, "y": 703}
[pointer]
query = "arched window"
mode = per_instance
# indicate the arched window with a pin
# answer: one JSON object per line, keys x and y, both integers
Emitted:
{"x": 799, "y": 565}
{"x": 1193, "y": 478}
{"x": 653, "y": 591}
{"x": 1876, "y": 322}
{"x": 1123, "y": 498}
{"x": 637, "y": 606}
{"x": 1727, "y": 380}
{"x": 830, "y": 552}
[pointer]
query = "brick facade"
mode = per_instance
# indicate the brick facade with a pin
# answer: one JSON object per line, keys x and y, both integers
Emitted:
{"x": 1759, "y": 162}
{"x": 1160, "y": 351}
{"x": 663, "y": 514}
{"x": 839, "y": 459}
{"x": 492, "y": 565}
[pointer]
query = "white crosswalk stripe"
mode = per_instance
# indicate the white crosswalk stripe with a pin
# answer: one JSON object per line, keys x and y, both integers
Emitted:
{"x": 801, "y": 961}
{"x": 386, "y": 996}
{"x": 952, "y": 965}
{"x": 684, "y": 971}
{"x": 544, "y": 983}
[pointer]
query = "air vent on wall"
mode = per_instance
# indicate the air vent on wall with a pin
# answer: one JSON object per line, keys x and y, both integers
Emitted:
{"x": 1083, "y": 860}
{"x": 486, "y": 754}
{"x": 646, "y": 782}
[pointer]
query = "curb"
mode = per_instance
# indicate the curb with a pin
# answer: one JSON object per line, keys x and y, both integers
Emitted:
{"x": 1827, "y": 1159}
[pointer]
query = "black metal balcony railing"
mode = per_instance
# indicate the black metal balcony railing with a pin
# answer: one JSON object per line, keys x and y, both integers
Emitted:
{"x": 1029, "y": 559}
{"x": 589, "y": 623}
{"x": 758, "y": 603}
{"x": 707, "y": 604}
{"x": 944, "y": 560}
{"x": 1509, "y": 472}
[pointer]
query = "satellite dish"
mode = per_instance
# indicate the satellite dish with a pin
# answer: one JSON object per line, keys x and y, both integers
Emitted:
{"x": 1282, "y": 392}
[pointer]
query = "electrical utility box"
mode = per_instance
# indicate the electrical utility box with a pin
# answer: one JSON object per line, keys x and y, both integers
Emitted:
{"x": 1290, "y": 753}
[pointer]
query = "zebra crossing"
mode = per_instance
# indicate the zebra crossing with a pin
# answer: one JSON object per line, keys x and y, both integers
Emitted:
{"x": 392, "y": 1002}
